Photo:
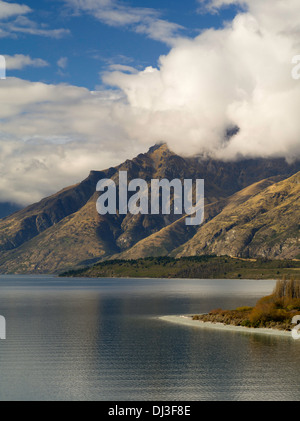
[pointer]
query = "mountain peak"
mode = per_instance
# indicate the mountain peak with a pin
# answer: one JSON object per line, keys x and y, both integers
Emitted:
{"x": 157, "y": 146}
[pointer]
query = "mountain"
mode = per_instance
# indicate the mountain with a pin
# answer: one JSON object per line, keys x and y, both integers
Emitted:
{"x": 243, "y": 216}
{"x": 264, "y": 225}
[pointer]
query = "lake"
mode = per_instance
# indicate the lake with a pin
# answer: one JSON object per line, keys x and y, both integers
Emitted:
{"x": 101, "y": 339}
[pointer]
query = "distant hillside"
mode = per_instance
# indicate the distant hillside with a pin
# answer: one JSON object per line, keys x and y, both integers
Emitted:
{"x": 252, "y": 209}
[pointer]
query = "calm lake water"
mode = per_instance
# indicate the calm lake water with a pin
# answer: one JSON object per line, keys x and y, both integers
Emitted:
{"x": 100, "y": 339}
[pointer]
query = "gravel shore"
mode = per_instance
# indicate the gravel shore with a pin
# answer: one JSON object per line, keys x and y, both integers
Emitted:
{"x": 187, "y": 321}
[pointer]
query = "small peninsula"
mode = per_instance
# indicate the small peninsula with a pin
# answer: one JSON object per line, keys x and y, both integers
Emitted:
{"x": 274, "y": 311}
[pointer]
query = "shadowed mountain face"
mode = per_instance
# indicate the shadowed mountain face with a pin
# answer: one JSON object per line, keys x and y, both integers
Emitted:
{"x": 65, "y": 231}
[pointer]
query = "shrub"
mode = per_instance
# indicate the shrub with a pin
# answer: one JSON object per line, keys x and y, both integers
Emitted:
{"x": 244, "y": 308}
{"x": 246, "y": 323}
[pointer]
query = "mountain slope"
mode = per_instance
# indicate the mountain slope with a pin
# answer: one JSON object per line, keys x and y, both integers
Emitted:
{"x": 265, "y": 225}
{"x": 65, "y": 230}
{"x": 34, "y": 219}
{"x": 167, "y": 240}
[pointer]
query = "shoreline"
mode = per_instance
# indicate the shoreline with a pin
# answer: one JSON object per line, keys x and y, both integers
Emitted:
{"x": 187, "y": 321}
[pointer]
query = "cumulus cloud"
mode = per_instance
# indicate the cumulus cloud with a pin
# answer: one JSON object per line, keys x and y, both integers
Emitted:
{"x": 62, "y": 132}
{"x": 236, "y": 76}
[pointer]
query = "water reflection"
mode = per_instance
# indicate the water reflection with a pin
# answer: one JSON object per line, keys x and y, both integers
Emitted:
{"x": 102, "y": 340}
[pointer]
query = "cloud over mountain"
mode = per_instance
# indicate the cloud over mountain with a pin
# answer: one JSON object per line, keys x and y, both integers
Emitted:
{"x": 237, "y": 76}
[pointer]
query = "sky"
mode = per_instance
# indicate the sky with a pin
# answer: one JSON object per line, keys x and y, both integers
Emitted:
{"x": 91, "y": 83}
{"x": 72, "y": 41}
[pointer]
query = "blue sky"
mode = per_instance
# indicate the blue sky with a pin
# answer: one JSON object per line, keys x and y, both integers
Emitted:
{"x": 86, "y": 45}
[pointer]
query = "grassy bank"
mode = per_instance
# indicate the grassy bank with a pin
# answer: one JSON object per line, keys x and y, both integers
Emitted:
{"x": 202, "y": 267}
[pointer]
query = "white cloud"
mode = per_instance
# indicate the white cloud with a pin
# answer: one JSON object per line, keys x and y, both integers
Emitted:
{"x": 11, "y": 9}
{"x": 159, "y": 30}
{"x": 14, "y": 21}
{"x": 51, "y": 33}
{"x": 22, "y": 24}
{"x": 142, "y": 20}
{"x": 62, "y": 62}
{"x": 122, "y": 68}
{"x": 239, "y": 75}
{"x": 19, "y": 61}
{"x": 53, "y": 135}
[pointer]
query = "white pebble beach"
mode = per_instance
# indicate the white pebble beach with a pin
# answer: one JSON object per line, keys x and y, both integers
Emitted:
{"x": 188, "y": 321}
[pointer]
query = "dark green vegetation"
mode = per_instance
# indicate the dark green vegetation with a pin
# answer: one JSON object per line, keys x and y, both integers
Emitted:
{"x": 191, "y": 267}
{"x": 274, "y": 311}
{"x": 252, "y": 210}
